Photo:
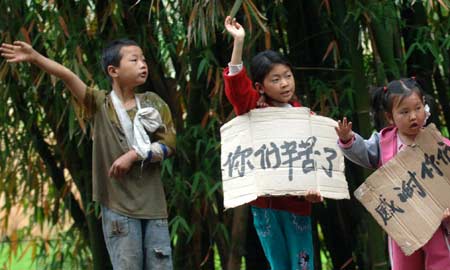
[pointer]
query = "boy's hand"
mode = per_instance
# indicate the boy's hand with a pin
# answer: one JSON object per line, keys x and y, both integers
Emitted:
{"x": 123, "y": 164}
{"x": 344, "y": 130}
{"x": 234, "y": 28}
{"x": 18, "y": 52}
{"x": 313, "y": 196}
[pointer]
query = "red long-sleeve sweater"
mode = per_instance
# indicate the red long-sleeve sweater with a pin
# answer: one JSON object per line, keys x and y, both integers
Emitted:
{"x": 243, "y": 97}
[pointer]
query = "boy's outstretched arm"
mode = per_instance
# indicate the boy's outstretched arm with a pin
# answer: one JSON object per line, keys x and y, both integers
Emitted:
{"x": 20, "y": 51}
{"x": 238, "y": 33}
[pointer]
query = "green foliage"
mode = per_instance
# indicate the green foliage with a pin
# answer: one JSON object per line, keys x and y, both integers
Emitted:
{"x": 193, "y": 184}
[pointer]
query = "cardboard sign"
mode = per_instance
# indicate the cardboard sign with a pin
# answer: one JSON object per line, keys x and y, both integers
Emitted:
{"x": 280, "y": 151}
{"x": 408, "y": 195}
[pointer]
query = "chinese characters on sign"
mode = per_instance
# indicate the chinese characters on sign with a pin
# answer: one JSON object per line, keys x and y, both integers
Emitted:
{"x": 280, "y": 151}
{"x": 408, "y": 195}
{"x": 273, "y": 156}
{"x": 429, "y": 168}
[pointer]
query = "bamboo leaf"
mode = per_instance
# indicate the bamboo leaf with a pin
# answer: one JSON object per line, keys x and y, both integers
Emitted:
{"x": 249, "y": 18}
{"x": 326, "y": 3}
{"x": 236, "y": 6}
{"x": 25, "y": 250}
{"x": 135, "y": 4}
{"x": 201, "y": 67}
{"x": 217, "y": 84}
{"x": 330, "y": 48}
{"x": 205, "y": 118}
{"x": 443, "y": 4}
{"x": 195, "y": 184}
{"x": 167, "y": 168}
{"x": 25, "y": 34}
{"x": 257, "y": 15}
{"x": 192, "y": 16}
{"x": 434, "y": 51}
{"x": 63, "y": 25}
{"x": 14, "y": 239}
{"x": 255, "y": 9}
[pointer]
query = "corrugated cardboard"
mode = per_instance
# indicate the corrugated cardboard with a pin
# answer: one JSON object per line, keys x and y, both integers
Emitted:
{"x": 409, "y": 210}
{"x": 291, "y": 131}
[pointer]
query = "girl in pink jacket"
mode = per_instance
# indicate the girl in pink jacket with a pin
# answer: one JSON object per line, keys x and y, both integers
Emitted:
{"x": 403, "y": 104}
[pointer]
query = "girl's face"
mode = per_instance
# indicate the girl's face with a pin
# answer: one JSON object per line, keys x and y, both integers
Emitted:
{"x": 408, "y": 115}
{"x": 278, "y": 84}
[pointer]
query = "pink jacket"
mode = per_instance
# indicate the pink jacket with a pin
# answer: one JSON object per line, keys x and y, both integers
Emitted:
{"x": 388, "y": 143}
{"x": 434, "y": 255}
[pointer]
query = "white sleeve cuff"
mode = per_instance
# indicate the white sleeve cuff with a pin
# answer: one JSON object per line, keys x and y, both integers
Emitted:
{"x": 158, "y": 152}
{"x": 234, "y": 69}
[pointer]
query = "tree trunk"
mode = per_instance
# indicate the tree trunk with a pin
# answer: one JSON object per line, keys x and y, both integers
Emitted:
{"x": 382, "y": 27}
{"x": 238, "y": 237}
{"x": 348, "y": 39}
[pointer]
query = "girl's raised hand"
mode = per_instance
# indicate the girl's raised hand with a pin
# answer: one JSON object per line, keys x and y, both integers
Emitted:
{"x": 234, "y": 28}
{"x": 19, "y": 51}
{"x": 344, "y": 130}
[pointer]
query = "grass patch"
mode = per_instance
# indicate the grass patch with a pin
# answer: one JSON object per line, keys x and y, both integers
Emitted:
{"x": 20, "y": 259}
{"x": 30, "y": 255}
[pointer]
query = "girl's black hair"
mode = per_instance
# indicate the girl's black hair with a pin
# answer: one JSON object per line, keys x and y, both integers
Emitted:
{"x": 383, "y": 97}
{"x": 111, "y": 53}
{"x": 263, "y": 62}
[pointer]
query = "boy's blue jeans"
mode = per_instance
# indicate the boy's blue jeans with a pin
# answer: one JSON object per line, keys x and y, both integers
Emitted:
{"x": 136, "y": 244}
{"x": 286, "y": 238}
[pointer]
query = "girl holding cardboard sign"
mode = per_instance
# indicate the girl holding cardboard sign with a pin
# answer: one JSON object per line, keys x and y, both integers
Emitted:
{"x": 282, "y": 223}
{"x": 402, "y": 102}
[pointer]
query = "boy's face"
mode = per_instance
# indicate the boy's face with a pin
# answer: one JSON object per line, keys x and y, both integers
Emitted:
{"x": 132, "y": 70}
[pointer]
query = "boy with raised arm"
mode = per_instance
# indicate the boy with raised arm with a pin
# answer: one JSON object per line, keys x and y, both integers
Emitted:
{"x": 132, "y": 134}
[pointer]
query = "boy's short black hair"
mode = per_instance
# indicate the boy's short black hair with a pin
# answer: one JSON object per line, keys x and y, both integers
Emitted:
{"x": 111, "y": 53}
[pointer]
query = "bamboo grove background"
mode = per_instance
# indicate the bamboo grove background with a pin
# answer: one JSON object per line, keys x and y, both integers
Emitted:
{"x": 338, "y": 48}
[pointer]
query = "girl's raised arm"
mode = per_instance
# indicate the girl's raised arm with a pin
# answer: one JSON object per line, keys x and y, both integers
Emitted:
{"x": 238, "y": 33}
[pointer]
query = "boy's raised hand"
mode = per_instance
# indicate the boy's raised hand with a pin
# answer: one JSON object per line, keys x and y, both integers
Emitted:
{"x": 234, "y": 28}
{"x": 344, "y": 130}
{"x": 19, "y": 51}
